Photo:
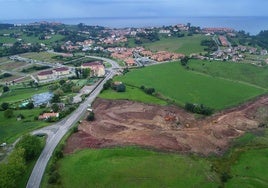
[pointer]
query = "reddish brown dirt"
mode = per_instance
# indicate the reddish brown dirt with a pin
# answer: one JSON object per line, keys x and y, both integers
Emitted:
{"x": 123, "y": 122}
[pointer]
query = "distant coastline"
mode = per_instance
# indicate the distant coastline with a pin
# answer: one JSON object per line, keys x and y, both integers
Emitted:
{"x": 252, "y": 25}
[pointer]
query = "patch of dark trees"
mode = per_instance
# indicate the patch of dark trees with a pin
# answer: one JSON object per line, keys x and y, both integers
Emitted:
{"x": 245, "y": 39}
{"x": 146, "y": 37}
{"x": 6, "y": 26}
{"x": 5, "y": 75}
{"x": 149, "y": 91}
{"x": 198, "y": 109}
{"x": 19, "y": 48}
{"x": 210, "y": 45}
{"x": 115, "y": 86}
{"x": 35, "y": 68}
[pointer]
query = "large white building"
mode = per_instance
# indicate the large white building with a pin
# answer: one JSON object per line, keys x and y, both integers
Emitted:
{"x": 96, "y": 68}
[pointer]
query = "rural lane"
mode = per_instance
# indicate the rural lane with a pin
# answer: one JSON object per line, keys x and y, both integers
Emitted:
{"x": 56, "y": 132}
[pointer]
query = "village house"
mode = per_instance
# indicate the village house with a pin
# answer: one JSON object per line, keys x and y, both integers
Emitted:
{"x": 166, "y": 56}
{"x": 96, "y": 68}
{"x": 130, "y": 62}
{"x": 217, "y": 30}
{"x": 164, "y": 31}
{"x": 223, "y": 40}
{"x": 46, "y": 116}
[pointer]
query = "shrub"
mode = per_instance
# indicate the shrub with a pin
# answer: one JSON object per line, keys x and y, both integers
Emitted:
{"x": 91, "y": 116}
{"x": 121, "y": 88}
{"x": 198, "y": 108}
{"x": 30, "y": 105}
{"x": 8, "y": 113}
{"x": 225, "y": 177}
{"x": 5, "y": 89}
{"x": 4, "y": 105}
{"x": 32, "y": 146}
{"x": 53, "y": 178}
{"x": 149, "y": 91}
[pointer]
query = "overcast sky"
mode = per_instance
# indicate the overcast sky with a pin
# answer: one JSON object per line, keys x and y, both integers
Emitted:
{"x": 41, "y": 9}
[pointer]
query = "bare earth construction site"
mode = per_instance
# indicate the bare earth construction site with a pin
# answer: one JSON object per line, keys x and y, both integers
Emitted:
{"x": 169, "y": 128}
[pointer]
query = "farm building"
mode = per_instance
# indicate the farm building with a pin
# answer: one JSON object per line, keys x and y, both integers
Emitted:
{"x": 48, "y": 115}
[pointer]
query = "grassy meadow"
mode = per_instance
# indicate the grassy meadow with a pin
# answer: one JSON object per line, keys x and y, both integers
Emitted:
{"x": 11, "y": 129}
{"x": 41, "y": 56}
{"x": 250, "y": 170}
{"x": 133, "y": 167}
{"x": 245, "y": 164}
{"x": 174, "y": 82}
{"x": 186, "y": 45}
{"x": 19, "y": 94}
{"x": 132, "y": 93}
{"x": 246, "y": 161}
{"x": 235, "y": 71}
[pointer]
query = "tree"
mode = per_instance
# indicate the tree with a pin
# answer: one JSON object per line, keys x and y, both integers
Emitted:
{"x": 75, "y": 89}
{"x": 91, "y": 116}
{"x": 77, "y": 73}
{"x": 67, "y": 87}
{"x": 58, "y": 92}
{"x": 11, "y": 172}
{"x": 55, "y": 107}
{"x": 4, "y": 105}
{"x": 30, "y": 105}
{"x": 149, "y": 91}
{"x": 184, "y": 61}
{"x": 31, "y": 83}
{"x": 32, "y": 146}
{"x": 62, "y": 82}
{"x": 5, "y": 89}
{"x": 121, "y": 88}
{"x": 55, "y": 99}
{"x": 86, "y": 73}
{"x": 107, "y": 84}
{"x": 8, "y": 113}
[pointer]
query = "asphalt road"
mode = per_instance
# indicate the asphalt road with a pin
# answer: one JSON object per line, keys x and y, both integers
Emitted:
{"x": 57, "y": 131}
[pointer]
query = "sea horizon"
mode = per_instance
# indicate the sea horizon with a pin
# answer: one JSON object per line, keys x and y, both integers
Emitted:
{"x": 250, "y": 24}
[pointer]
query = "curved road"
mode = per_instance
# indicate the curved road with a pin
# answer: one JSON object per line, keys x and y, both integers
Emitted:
{"x": 57, "y": 131}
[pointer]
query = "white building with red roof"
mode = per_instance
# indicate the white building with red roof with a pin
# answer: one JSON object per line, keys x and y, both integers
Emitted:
{"x": 44, "y": 75}
{"x": 54, "y": 73}
{"x": 96, "y": 68}
{"x": 48, "y": 115}
{"x": 61, "y": 71}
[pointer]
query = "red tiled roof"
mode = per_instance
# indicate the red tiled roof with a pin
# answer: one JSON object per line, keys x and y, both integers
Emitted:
{"x": 61, "y": 69}
{"x": 94, "y": 63}
{"x": 48, "y": 115}
{"x": 43, "y": 73}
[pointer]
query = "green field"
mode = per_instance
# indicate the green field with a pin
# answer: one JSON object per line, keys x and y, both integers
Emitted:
{"x": 41, "y": 56}
{"x": 176, "y": 83}
{"x": 7, "y": 40}
{"x": 250, "y": 170}
{"x": 248, "y": 161}
{"x": 134, "y": 167}
{"x": 132, "y": 93}
{"x": 16, "y": 95}
{"x": 186, "y": 45}
{"x": 235, "y": 71}
{"x": 11, "y": 129}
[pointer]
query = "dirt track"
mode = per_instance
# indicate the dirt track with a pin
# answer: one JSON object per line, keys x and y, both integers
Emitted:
{"x": 122, "y": 122}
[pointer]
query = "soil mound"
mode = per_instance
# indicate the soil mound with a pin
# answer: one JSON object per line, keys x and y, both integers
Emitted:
{"x": 123, "y": 122}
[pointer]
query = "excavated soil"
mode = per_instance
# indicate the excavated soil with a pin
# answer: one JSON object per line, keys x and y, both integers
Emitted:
{"x": 169, "y": 128}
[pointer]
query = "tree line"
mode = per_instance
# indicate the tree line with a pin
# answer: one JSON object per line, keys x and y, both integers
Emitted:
{"x": 26, "y": 150}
